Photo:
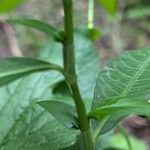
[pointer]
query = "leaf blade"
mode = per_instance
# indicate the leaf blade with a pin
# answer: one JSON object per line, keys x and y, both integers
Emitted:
{"x": 39, "y": 25}
{"x": 63, "y": 112}
{"x": 28, "y": 126}
{"x": 13, "y": 68}
{"x": 23, "y": 124}
{"x": 7, "y": 5}
{"x": 120, "y": 108}
{"x": 127, "y": 75}
{"x": 109, "y": 6}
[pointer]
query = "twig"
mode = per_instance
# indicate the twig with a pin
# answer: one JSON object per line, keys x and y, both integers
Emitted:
{"x": 12, "y": 40}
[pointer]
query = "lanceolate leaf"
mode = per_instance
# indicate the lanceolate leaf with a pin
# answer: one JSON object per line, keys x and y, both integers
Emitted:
{"x": 87, "y": 62}
{"x": 109, "y": 5}
{"x": 120, "y": 107}
{"x": 129, "y": 76}
{"x": 7, "y": 5}
{"x": 23, "y": 124}
{"x": 42, "y": 26}
{"x": 63, "y": 112}
{"x": 13, "y": 68}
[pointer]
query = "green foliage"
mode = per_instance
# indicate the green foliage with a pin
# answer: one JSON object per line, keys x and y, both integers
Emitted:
{"x": 34, "y": 128}
{"x": 13, "y": 68}
{"x": 86, "y": 59}
{"x": 61, "y": 88}
{"x": 94, "y": 34}
{"x": 23, "y": 124}
{"x": 135, "y": 143}
{"x": 120, "y": 108}
{"x": 139, "y": 12}
{"x": 63, "y": 112}
{"x": 109, "y": 5}
{"x": 7, "y": 5}
{"x": 122, "y": 89}
{"x": 42, "y": 26}
{"x": 126, "y": 76}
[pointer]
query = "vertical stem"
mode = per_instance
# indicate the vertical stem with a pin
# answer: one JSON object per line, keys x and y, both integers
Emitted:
{"x": 69, "y": 59}
{"x": 90, "y": 14}
{"x": 69, "y": 67}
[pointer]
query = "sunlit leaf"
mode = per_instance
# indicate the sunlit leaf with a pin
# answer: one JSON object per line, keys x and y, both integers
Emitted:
{"x": 109, "y": 5}
{"x": 7, "y": 5}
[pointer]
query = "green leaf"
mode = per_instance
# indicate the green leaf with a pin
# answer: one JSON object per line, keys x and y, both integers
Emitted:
{"x": 36, "y": 24}
{"x": 109, "y": 5}
{"x": 120, "y": 107}
{"x": 63, "y": 112}
{"x": 91, "y": 34}
{"x": 61, "y": 88}
{"x": 23, "y": 124}
{"x": 86, "y": 59}
{"x": 7, "y": 5}
{"x": 138, "y": 12}
{"x": 127, "y": 75}
{"x": 28, "y": 126}
{"x": 13, "y": 68}
{"x": 78, "y": 145}
{"x": 113, "y": 148}
{"x": 135, "y": 143}
{"x": 94, "y": 34}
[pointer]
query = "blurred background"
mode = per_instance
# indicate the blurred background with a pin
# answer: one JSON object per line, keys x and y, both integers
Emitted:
{"x": 128, "y": 30}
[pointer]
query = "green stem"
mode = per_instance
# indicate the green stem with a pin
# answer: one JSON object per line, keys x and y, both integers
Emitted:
{"x": 69, "y": 59}
{"x": 69, "y": 67}
{"x": 90, "y": 14}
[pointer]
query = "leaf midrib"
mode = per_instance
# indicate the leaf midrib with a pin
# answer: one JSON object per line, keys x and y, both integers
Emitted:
{"x": 28, "y": 69}
{"x": 121, "y": 108}
{"x": 135, "y": 77}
